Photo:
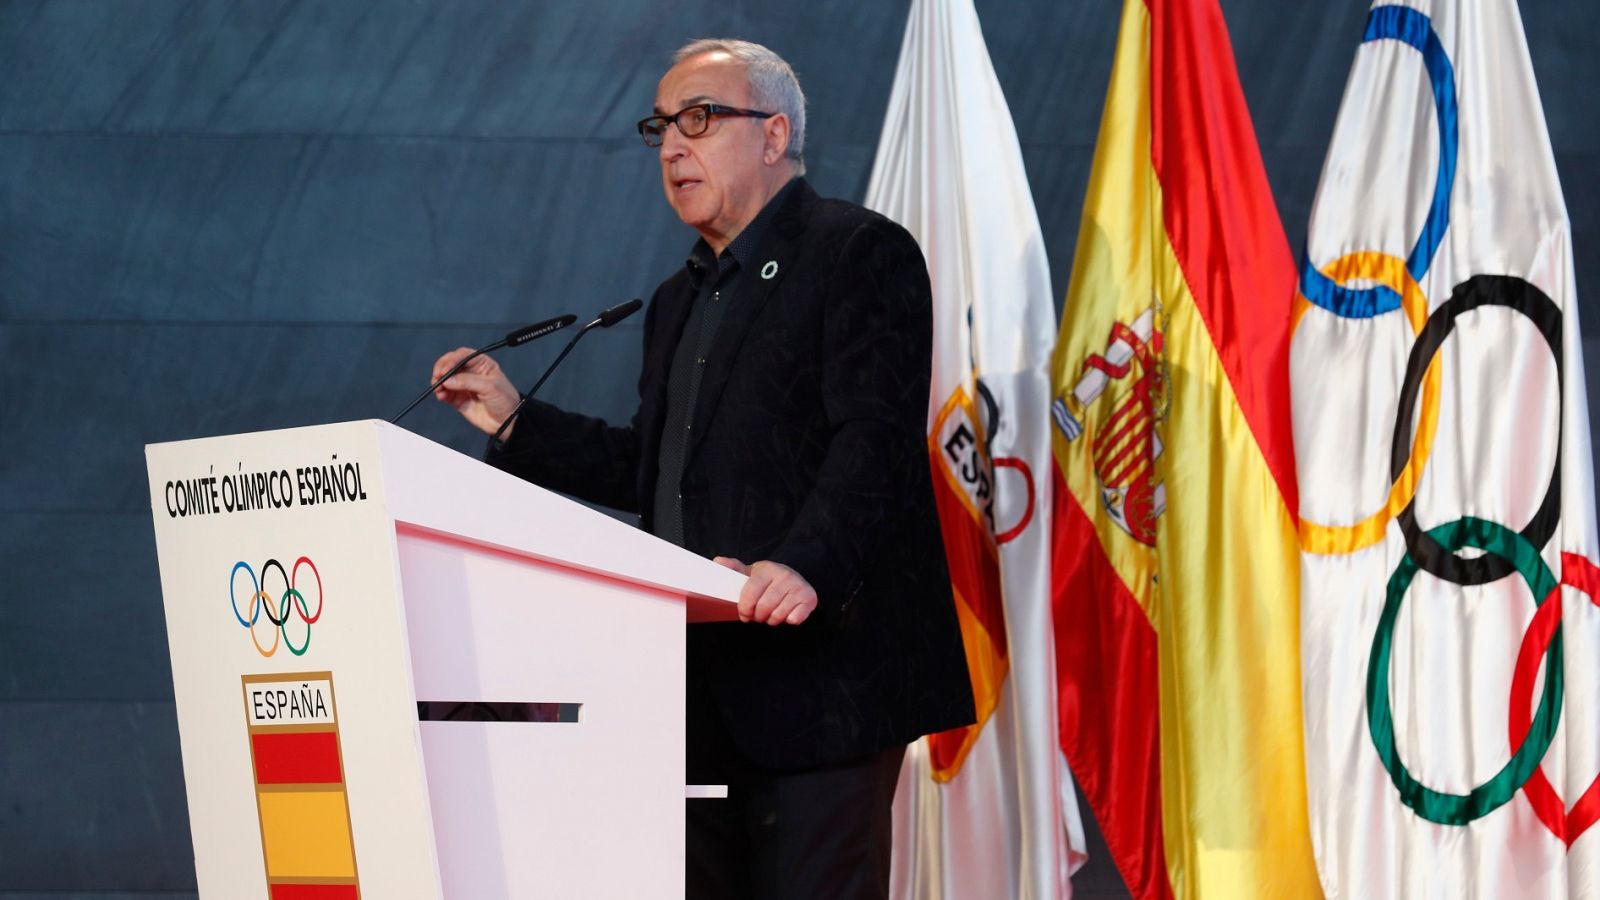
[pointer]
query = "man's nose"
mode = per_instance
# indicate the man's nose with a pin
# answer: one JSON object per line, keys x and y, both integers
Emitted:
{"x": 673, "y": 143}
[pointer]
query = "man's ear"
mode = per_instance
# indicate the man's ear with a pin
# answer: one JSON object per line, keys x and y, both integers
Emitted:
{"x": 776, "y": 130}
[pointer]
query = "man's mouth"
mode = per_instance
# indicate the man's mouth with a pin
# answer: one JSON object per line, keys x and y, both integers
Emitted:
{"x": 684, "y": 184}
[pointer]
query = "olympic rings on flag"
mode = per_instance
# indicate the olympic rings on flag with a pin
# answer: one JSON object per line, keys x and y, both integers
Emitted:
{"x": 1393, "y": 284}
{"x": 292, "y": 599}
{"x": 1414, "y": 29}
{"x": 1543, "y": 632}
{"x": 1396, "y": 283}
{"x": 1505, "y": 551}
{"x": 1387, "y": 271}
{"x": 1459, "y": 809}
{"x": 1474, "y": 293}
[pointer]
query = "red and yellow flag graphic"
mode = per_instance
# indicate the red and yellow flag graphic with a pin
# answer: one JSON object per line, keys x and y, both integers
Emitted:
{"x": 964, "y": 490}
{"x": 1175, "y": 565}
{"x": 306, "y": 838}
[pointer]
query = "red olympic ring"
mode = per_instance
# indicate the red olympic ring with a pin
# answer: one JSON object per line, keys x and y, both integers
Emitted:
{"x": 1579, "y": 573}
{"x": 1008, "y": 462}
{"x": 300, "y": 601}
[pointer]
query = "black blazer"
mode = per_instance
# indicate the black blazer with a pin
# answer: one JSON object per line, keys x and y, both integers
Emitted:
{"x": 809, "y": 448}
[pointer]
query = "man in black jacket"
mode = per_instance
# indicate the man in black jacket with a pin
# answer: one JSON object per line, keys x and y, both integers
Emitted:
{"x": 782, "y": 414}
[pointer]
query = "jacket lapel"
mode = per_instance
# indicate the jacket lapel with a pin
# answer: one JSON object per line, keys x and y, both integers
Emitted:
{"x": 670, "y": 312}
{"x": 771, "y": 262}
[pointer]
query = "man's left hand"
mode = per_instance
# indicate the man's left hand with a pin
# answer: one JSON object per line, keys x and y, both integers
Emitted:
{"x": 774, "y": 593}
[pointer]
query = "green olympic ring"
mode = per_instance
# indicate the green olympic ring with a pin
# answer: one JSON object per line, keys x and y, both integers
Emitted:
{"x": 1437, "y": 806}
{"x": 283, "y": 622}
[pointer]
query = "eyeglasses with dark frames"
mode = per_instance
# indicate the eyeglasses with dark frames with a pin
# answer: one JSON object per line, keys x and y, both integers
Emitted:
{"x": 692, "y": 121}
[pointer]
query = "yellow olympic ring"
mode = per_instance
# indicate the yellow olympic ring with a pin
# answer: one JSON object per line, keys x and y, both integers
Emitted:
{"x": 1391, "y": 272}
{"x": 261, "y": 597}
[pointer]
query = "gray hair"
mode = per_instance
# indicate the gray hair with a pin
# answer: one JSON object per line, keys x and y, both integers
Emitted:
{"x": 773, "y": 85}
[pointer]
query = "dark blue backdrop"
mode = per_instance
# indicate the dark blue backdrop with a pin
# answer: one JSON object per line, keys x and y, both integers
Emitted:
{"x": 220, "y": 217}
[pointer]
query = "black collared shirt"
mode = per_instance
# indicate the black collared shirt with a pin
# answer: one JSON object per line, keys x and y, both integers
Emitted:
{"x": 715, "y": 279}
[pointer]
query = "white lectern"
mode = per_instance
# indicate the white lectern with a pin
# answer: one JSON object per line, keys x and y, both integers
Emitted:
{"x": 400, "y": 672}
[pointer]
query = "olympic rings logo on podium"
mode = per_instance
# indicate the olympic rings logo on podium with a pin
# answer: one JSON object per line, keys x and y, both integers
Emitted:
{"x": 277, "y": 607}
{"x": 1504, "y": 551}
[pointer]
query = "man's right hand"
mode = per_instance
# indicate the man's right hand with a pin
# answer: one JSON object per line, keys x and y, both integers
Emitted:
{"x": 480, "y": 391}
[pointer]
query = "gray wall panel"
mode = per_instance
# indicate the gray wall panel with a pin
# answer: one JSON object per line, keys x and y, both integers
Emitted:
{"x": 93, "y": 798}
{"x": 553, "y": 70}
{"x": 86, "y": 621}
{"x": 1058, "y": 176}
{"x": 291, "y": 229}
{"x": 154, "y": 383}
{"x": 1580, "y": 185}
{"x": 1290, "y": 169}
{"x": 1053, "y": 61}
{"x": 1561, "y": 38}
{"x": 138, "y": 227}
{"x": 835, "y": 169}
{"x": 98, "y": 895}
{"x": 1293, "y": 60}
{"x": 382, "y": 67}
{"x": 1591, "y": 378}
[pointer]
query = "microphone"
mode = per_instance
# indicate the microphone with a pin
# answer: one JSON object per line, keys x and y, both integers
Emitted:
{"x": 535, "y": 331}
{"x": 615, "y": 314}
{"x": 512, "y": 339}
{"x": 605, "y": 319}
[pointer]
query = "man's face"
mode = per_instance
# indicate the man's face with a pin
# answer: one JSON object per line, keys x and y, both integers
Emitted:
{"x": 716, "y": 182}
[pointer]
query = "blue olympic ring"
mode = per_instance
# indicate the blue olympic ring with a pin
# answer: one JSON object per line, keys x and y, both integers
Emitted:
{"x": 255, "y": 588}
{"x": 1410, "y": 27}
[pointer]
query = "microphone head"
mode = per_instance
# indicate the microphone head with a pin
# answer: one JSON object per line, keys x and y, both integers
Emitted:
{"x": 619, "y": 312}
{"x": 539, "y": 329}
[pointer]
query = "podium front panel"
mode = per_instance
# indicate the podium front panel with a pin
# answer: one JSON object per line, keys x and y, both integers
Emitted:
{"x": 319, "y": 582}
{"x": 296, "y": 716}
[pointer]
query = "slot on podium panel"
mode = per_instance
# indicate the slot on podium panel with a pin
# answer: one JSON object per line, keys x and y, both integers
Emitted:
{"x": 479, "y": 711}
{"x": 508, "y": 667}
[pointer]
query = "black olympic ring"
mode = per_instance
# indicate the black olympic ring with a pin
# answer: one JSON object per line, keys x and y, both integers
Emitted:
{"x": 267, "y": 607}
{"x": 1478, "y": 291}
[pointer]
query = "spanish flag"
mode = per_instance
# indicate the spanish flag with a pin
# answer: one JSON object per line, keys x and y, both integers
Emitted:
{"x": 1175, "y": 566}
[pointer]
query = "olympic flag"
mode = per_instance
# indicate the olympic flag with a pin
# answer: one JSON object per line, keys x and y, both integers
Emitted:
{"x": 986, "y": 811}
{"x": 1449, "y": 622}
{"x": 1174, "y": 554}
